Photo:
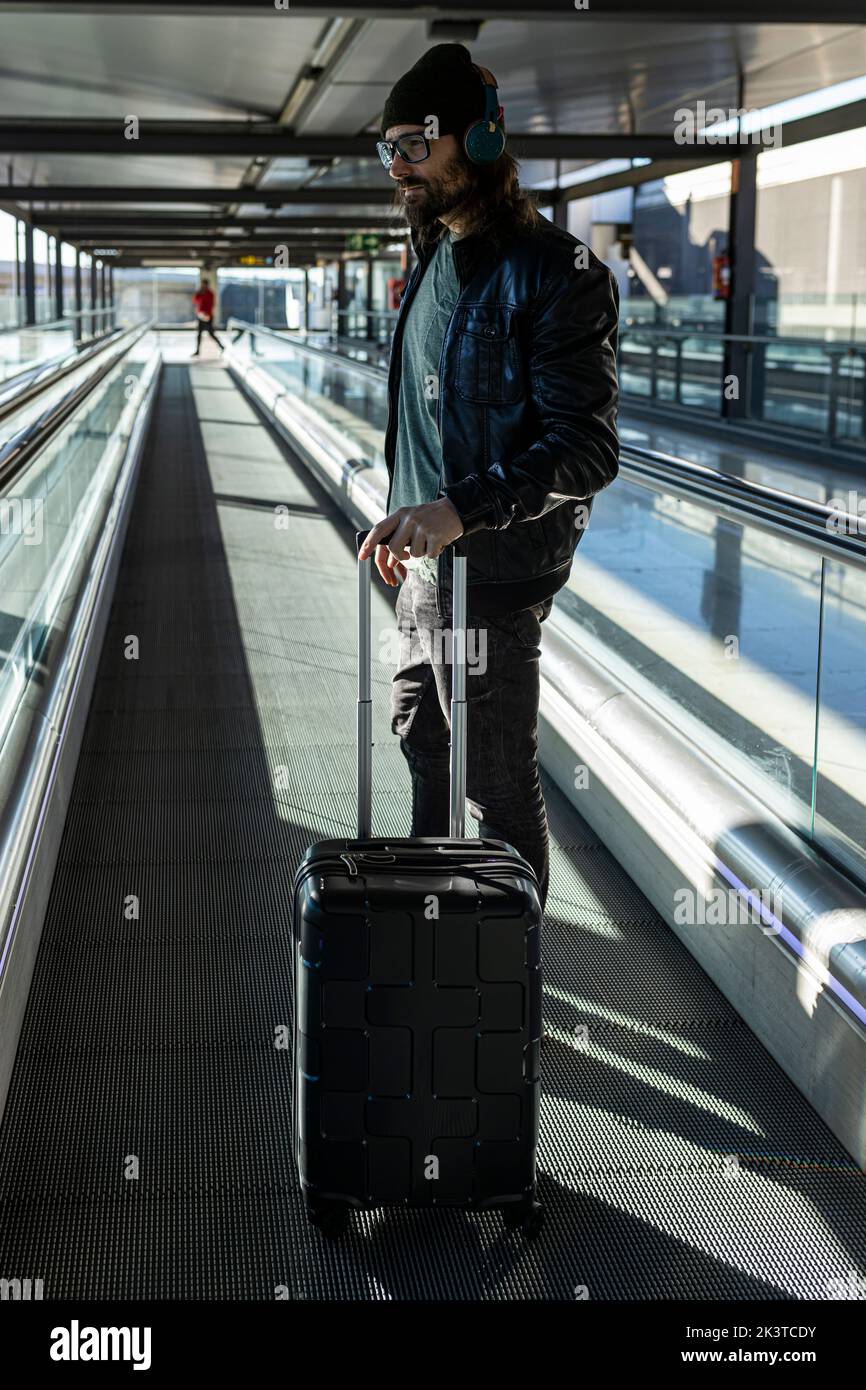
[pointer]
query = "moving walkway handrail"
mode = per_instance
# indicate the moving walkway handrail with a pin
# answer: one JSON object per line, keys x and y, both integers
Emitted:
{"x": 853, "y": 346}
{"x": 766, "y": 507}
{"x": 362, "y": 368}
{"x": 40, "y": 752}
{"x": 44, "y": 375}
{"x": 59, "y": 323}
{"x": 22, "y": 447}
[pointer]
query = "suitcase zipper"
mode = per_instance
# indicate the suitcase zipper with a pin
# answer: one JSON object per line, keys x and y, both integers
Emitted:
{"x": 378, "y": 856}
{"x": 506, "y": 864}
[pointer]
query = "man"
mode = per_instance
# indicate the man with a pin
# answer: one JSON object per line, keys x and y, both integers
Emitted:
{"x": 203, "y": 304}
{"x": 501, "y": 429}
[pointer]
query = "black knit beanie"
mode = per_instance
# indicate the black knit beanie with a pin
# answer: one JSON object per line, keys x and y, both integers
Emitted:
{"x": 443, "y": 83}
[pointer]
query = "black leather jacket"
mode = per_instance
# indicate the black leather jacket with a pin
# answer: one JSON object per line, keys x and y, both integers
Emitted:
{"x": 527, "y": 398}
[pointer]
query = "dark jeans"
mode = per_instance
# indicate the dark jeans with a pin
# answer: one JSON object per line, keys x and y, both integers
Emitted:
{"x": 205, "y": 326}
{"x": 502, "y": 685}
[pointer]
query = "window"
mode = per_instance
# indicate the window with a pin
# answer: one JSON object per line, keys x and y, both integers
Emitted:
{"x": 45, "y": 306}
{"x": 9, "y": 302}
{"x": 67, "y": 262}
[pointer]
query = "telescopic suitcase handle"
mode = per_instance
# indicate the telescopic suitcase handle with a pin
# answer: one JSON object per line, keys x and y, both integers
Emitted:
{"x": 457, "y": 654}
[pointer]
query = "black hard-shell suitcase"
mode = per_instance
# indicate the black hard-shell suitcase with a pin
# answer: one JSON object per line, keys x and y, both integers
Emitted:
{"x": 417, "y": 1003}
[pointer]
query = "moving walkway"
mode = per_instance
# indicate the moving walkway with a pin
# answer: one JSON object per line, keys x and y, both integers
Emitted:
{"x": 177, "y": 691}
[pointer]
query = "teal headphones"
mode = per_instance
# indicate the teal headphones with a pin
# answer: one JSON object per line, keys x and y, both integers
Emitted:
{"x": 484, "y": 140}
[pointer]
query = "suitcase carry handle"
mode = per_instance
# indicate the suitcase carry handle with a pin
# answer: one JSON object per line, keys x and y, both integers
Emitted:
{"x": 457, "y": 651}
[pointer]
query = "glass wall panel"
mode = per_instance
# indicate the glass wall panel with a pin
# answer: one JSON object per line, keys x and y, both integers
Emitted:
{"x": 9, "y": 303}
{"x": 322, "y": 297}
{"x": 45, "y": 306}
{"x": 67, "y": 260}
{"x": 840, "y": 794}
{"x": 353, "y": 317}
{"x": 174, "y": 287}
{"x": 262, "y": 294}
{"x": 134, "y": 294}
{"x": 680, "y": 229}
{"x": 86, "y": 300}
{"x": 811, "y": 236}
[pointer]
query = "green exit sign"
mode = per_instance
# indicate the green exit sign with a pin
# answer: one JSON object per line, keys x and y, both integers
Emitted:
{"x": 362, "y": 241}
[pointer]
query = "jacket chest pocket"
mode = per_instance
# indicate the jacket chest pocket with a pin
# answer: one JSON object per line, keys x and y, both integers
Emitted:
{"x": 488, "y": 357}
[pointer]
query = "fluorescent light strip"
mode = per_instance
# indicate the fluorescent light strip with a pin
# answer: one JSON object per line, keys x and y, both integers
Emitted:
{"x": 796, "y": 108}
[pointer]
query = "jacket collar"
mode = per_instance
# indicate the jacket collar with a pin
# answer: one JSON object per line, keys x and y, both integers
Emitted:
{"x": 468, "y": 252}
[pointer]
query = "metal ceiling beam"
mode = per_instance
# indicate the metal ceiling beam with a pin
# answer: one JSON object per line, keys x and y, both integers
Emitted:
{"x": 684, "y": 11}
{"x": 261, "y": 138}
{"x": 137, "y": 238}
{"x": 626, "y": 178}
{"x": 70, "y": 222}
{"x": 156, "y": 232}
{"x": 842, "y": 118}
{"x": 162, "y": 249}
{"x": 254, "y": 138}
{"x": 266, "y": 197}
{"x": 209, "y": 258}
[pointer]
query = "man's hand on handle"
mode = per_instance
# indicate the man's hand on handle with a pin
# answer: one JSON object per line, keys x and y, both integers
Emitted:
{"x": 423, "y": 530}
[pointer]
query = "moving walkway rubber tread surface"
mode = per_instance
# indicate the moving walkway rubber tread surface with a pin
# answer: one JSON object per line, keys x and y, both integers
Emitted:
{"x": 207, "y": 767}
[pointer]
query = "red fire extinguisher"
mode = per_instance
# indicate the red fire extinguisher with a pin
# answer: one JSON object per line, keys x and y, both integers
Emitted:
{"x": 721, "y": 277}
{"x": 396, "y": 286}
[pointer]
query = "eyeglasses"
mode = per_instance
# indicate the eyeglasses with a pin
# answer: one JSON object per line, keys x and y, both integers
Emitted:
{"x": 411, "y": 148}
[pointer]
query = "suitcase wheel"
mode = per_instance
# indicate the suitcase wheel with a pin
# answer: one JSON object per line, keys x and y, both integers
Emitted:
{"x": 331, "y": 1218}
{"x": 527, "y": 1217}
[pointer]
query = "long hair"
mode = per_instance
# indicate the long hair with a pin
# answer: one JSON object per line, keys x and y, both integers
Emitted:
{"x": 496, "y": 204}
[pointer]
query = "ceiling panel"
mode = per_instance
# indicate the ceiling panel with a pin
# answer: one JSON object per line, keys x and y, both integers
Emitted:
{"x": 584, "y": 75}
{"x": 836, "y": 59}
{"x": 150, "y": 171}
{"x": 288, "y": 173}
{"x": 170, "y": 66}
{"x": 307, "y": 210}
{"x": 576, "y": 74}
{"x": 363, "y": 77}
{"x": 358, "y": 173}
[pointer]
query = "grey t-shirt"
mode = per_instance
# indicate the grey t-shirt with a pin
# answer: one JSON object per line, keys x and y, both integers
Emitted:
{"x": 418, "y": 459}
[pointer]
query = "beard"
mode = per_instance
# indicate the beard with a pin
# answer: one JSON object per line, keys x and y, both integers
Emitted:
{"x": 440, "y": 195}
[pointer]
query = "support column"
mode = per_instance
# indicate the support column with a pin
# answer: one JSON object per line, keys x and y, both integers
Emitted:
{"x": 58, "y": 276}
{"x": 370, "y": 335}
{"x": 341, "y": 296}
{"x": 19, "y": 274}
{"x": 79, "y": 327}
{"x": 560, "y": 207}
{"x": 739, "y": 307}
{"x": 93, "y": 292}
{"x": 29, "y": 276}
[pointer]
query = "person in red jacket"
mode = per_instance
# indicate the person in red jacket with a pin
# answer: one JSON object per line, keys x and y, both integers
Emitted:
{"x": 203, "y": 304}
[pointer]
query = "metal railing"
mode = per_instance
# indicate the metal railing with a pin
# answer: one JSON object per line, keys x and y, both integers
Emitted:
{"x": 16, "y": 452}
{"x": 17, "y": 390}
{"x": 75, "y": 477}
{"x": 366, "y": 324}
{"x": 805, "y": 386}
{"x": 792, "y": 386}
{"x": 50, "y": 325}
{"x": 25, "y": 346}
